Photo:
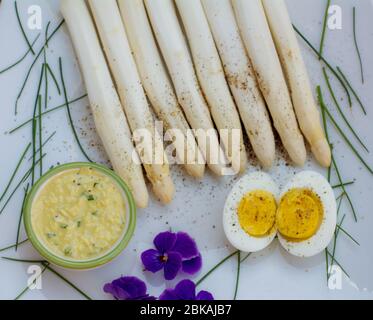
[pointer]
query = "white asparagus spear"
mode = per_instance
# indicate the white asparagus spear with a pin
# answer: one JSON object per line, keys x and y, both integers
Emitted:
{"x": 175, "y": 51}
{"x": 211, "y": 76}
{"x": 241, "y": 79}
{"x": 257, "y": 37}
{"x": 110, "y": 120}
{"x": 157, "y": 84}
{"x": 113, "y": 36}
{"x": 298, "y": 80}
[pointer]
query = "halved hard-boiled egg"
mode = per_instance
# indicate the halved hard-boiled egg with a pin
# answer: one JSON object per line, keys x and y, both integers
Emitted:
{"x": 303, "y": 215}
{"x": 250, "y": 212}
{"x": 306, "y": 215}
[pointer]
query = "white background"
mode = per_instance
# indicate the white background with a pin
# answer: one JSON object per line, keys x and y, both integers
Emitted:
{"x": 198, "y": 205}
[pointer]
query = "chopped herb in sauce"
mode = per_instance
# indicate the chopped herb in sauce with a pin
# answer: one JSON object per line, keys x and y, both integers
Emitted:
{"x": 90, "y": 197}
{"x": 67, "y": 251}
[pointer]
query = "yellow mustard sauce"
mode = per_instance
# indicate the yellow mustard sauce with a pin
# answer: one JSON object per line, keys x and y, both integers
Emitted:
{"x": 79, "y": 214}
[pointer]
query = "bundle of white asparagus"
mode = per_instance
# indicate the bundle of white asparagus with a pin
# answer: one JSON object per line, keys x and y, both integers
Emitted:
{"x": 203, "y": 67}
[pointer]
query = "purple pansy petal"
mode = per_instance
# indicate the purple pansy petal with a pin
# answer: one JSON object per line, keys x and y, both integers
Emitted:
{"x": 147, "y": 298}
{"x": 117, "y": 292}
{"x": 152, "y": 260}
{"x": 127, "y": 288}
{"x": 165, "y": 241}
{"x": 172, "y": 266}
{"x": 186, "y": 246}
{"x": 186, "y": 290}
{"x": 192, "y": 266}
{"x": 168, "y": 294}
{"x": 205, "y": 296}
{"x": 132, "y": 285}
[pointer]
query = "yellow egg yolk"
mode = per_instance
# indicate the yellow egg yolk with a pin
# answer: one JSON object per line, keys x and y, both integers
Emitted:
{"x": 257, "y": 213}
{"x": 299, "y": 214}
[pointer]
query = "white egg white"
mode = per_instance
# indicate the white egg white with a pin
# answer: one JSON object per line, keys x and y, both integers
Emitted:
{"x": 318, "y": 242}
{"x": 232, "y": 228}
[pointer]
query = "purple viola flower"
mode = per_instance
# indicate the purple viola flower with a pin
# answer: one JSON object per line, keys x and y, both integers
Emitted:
{"x": 128, "y": 288}
{"x": 174, "y": 252}
{"x": 186, "y": 290}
